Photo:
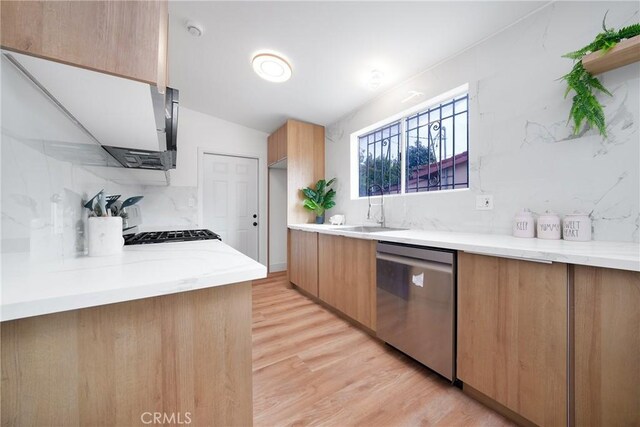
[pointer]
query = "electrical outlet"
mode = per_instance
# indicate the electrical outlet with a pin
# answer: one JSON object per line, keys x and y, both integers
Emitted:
{"x": 484, "y": 202}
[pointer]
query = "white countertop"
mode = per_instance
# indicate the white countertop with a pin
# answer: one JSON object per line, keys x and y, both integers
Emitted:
{"x": 32, "y": 288}
{"x": 619, "y": 255}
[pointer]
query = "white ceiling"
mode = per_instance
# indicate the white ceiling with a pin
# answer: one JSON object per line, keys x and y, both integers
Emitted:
{"x": 331, "y": 46}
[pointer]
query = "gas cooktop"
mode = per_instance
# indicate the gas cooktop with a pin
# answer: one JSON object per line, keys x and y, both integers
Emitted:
{"x": 169, "y": 236}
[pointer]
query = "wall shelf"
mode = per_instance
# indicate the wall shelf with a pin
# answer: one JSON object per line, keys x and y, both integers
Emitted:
{"x": 624, "y": 53}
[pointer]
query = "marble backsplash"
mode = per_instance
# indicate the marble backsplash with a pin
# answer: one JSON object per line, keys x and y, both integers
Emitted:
{"x": 41, "y": 202}
{"x": 169, "y": 208}
{"x": 521, "y": 149}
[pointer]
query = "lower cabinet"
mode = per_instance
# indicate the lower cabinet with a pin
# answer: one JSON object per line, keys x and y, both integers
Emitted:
{"x": 512, "y": 334}
{"x": 513, "y": 322}
{"x": 606, "y": 347}
{"x": 185, "y": 356}
{"x": 347, "y": 276}
{"x": 303, "y": 260}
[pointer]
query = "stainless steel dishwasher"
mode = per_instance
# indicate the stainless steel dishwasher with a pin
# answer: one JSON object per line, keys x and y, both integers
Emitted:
{"x": 416, "y": 303}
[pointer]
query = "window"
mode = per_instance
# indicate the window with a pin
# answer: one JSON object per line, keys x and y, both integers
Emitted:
{"x": 421, "y": 151}
{"x": 380, "y": 160}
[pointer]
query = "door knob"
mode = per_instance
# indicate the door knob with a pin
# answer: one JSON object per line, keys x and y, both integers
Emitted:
{"x": 255, "y": 224}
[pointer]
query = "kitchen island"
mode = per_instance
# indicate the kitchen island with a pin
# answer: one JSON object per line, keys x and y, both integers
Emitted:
{"x": 160, "y": 333}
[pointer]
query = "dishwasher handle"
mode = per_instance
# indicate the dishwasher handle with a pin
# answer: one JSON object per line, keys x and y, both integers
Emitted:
{"x": 419, "y": 263}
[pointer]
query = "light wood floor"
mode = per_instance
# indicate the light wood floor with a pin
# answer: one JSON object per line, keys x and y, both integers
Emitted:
{"x": 311, "y": 367}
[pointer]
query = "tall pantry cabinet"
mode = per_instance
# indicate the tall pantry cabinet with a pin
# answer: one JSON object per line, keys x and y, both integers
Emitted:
{"x": 296, "y": 149}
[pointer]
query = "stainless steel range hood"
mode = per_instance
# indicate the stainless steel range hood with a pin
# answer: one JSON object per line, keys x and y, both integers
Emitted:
{"x": 166, "y": 114}
{"x": 132, "y": 121}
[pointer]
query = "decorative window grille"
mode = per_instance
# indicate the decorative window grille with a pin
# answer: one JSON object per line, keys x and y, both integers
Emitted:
{"x": 380, "y": 160}
{"x": 437, "y": 142}
{"x": 425, "y": 151}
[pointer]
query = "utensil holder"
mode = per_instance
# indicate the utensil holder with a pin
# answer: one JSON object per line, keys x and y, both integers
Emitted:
{"x": 105, "y": 235}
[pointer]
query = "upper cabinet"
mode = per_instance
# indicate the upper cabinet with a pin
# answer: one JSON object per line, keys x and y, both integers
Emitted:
{"x": 302, "y": 146}
{"x": 127, "y": 39}
{"x": 277, "y": 146}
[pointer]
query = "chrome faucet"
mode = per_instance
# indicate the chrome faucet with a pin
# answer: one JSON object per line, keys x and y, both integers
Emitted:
{"x": 381, "y": 204}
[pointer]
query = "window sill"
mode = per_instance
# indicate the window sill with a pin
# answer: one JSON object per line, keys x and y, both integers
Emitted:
{"x": 422, "y": 193}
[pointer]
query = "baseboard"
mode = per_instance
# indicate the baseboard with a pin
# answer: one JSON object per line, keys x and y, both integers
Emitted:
{"x": 273, "y": 268}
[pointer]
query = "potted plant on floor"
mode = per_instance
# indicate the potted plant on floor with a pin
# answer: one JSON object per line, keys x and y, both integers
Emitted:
{"x": 320, "y": 199}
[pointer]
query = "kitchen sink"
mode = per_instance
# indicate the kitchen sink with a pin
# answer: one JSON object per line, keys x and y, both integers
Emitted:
{"x": 365, "y": 229}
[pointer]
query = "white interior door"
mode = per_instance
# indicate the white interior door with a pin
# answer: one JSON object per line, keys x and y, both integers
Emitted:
{"x": 230, "y": 201}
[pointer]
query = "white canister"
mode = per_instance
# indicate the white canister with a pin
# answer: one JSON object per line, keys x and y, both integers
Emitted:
{"x": 549, "y": 226}
{"x": 577, "y": 227}
{"x": 524, "y": 224}
{"x": 105, "y": 235}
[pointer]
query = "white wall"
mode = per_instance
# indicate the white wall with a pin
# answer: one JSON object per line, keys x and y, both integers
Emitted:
{"x": 277, "y": 220}
{"x": 179, "y": 204}
{"x": 521, "y": 150}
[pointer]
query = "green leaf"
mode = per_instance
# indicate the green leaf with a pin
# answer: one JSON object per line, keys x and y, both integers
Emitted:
{"x": 574, "y": 55}
{"x": 310, "y": 205}
{"x": 630, "y": 31}
{"x": 604, "y": 25}
{"x": 309, "y": 193}
{"x": 329, "y": 196}
{"x": 595, "y": 83}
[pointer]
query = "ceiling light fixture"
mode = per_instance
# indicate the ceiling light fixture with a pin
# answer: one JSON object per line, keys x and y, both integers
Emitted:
{"x": 271, "y": 66}
{"x": 375, "y": 79}
{"x": 194, "y": 28}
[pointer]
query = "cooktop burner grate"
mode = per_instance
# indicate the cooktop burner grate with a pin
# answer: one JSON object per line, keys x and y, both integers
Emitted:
{"x": 169, "y": 236}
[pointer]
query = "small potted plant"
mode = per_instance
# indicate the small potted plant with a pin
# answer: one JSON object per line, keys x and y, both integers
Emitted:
{"x": 320, "y": 199}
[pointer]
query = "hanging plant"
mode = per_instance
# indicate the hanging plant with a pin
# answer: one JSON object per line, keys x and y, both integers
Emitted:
{"x": 586, "y": 107}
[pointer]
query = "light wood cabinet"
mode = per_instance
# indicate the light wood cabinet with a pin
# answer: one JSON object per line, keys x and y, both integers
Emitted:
{"x": 302, "y": 145}
{"x": 127, "y": 39}
{"x": 347, "y": 276}
{"x": 277, "y": 144}
{"x": 272, "y": 149}
{"x": 606, "y": 347}
{"x": 305, "y": 166}
{"x": 188, "y": 352}
{"x": 303, "y": 260}
{"x": 281, "y": 143}
{"x": 512, "y": 334}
